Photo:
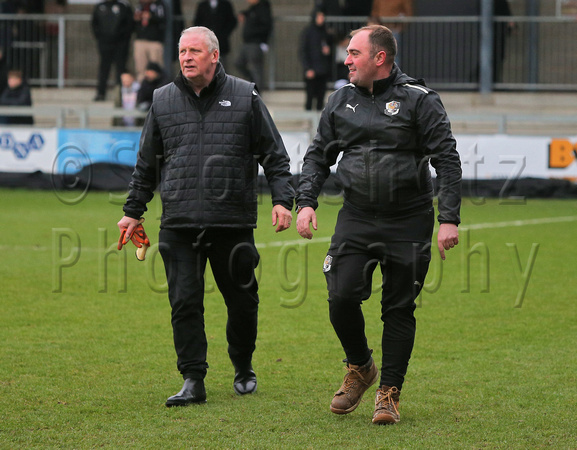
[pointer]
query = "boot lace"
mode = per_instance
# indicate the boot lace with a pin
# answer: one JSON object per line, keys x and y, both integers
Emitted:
{"x": 352, "y": 378}
{"x": 385, "y": 401}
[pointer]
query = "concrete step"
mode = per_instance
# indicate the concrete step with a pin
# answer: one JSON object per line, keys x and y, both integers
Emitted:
{"x": 294, "y": 99}
{"x": 470, "y": 112}
{"x": 67, "y": 96}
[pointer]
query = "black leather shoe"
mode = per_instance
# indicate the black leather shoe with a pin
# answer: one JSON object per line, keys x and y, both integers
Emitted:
{"x": 192, "y": 392}
{"x": 99, "y": 98}
{"x": 244, "y": 380}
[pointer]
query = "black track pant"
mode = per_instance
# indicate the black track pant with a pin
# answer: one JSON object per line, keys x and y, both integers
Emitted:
{"x": 401, "y": 246}
{"x": 233, "y": 258}
{"x": 315, "y": 92}
{"x": 111, "y": 54}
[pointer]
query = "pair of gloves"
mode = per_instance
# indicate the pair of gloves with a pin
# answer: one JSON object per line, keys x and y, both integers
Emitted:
{"x": 138, "y": 238}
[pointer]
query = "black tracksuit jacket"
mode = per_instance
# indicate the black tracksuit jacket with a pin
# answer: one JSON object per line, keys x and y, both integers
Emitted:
{"x": 386, "y": 141}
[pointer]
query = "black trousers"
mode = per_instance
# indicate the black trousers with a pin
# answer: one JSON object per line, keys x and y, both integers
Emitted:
{"x": 111, "y": 53}
{"x": 315, "y": 92}
{"x": 401, "y": 246}
{"x": 233, "y": 258}
{"x": 250, "y": 63}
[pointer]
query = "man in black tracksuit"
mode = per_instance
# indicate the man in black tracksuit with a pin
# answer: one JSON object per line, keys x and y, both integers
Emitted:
{"x": 112, "y": 25}
{"x": 219, "y": 16}
{"x": 205, "y": 135}
{"x": 257, "y": 23}
{"x": 315, "y": 53}
{"x": 387, "y": 127}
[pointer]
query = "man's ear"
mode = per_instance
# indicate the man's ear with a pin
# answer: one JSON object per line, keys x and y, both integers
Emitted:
{"x": 380, "y": 58}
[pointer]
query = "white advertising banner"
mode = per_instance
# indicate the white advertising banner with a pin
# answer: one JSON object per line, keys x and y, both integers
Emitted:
{"x": 491, "y": 157}
{"x": 487, "y": 157}
{"x": 483, "y": 157}
{"x": 27, "y": 149}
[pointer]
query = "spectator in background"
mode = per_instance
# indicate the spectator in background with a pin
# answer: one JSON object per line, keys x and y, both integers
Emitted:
{"x": 153, "y": 79}
{"x": 150, "y": 20}
{"x": 393, "y": 8}
{"x": 257, "y": 28}
{"x": 358, "y": 8}
{"x": 3, "y": 70}
{"x": 330, "y": 7}
{"x": 16, "y": 93}
{"x": 7, "y": 29}
{"x": 218, "y": 16}
{"x": 178, "y": 24}
{"x": 355, "y": 8}
{"x": 501, "y": 30}
{"x": 341, "y": 71}
{"x": 315, "y": 54}
{"x": 33, "y": 6}
{"x": 112, "y": 25}
{"x": 127, "y": 99}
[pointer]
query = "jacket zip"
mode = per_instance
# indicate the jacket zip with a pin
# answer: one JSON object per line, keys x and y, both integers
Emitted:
{"x": 200, "y": 166}
{"x": 373, "y": 195}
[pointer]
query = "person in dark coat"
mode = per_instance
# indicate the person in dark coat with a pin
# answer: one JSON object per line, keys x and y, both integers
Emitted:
{"x": 357, "y": 8}
{"x": 382, "y": 130}
{"x": 202, "y": 141}
{"x": 3, "y": 70}
{"x": 219, "y": 16}
{"x": 330, "y": 7}
{"x": 315, "y": 53}
{"x": 257, "y": 28}
{"x": 153, "y": 79}
{"x": 501, "y": 31}
{"x": 112, "y": 26}
{"x": 16, "y": 93}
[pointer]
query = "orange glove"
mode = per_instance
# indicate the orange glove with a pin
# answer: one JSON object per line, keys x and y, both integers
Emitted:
{"x": 138, "y": 238}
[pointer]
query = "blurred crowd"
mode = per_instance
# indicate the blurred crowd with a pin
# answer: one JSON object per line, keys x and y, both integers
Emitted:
{"x": 130, "y": 37}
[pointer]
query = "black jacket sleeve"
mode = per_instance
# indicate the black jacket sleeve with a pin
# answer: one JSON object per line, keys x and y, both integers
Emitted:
{"x": 146, "y": 175}
{"x": 439, "y": 145}
{"x": 320, "y": 156}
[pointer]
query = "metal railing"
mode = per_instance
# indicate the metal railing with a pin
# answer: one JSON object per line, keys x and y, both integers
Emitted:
{"x": 94, "y": 116}
{"x": 528, "y": 53}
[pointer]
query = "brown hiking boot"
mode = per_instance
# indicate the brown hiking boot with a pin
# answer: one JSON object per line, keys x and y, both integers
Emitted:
{"x": 386, "y": 406}
{"x": 356, "y": 382}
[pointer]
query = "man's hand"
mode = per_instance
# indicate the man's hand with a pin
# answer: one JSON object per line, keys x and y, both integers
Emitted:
{"x": 132, "y": 230}
{"x": 281, "y": 216}
{"x": 447, "y": 237}
{"x": 305, "y": 217}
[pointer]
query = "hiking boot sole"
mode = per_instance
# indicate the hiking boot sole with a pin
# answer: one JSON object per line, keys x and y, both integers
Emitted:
{"x": 388, "y": 420}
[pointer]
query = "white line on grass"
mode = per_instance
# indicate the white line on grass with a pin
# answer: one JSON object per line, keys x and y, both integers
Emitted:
{"x": 474, "y": 226}
{"x": 323, "y": 240}
{"x": 520, "y": 223}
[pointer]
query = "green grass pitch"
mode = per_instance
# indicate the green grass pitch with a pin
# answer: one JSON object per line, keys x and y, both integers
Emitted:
{"x": 86, "y": 355}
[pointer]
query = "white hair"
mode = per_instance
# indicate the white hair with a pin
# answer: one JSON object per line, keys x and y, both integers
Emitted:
{"x": 211, "y": 39}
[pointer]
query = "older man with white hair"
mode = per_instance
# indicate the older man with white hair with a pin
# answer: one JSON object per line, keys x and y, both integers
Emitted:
{"x": 201, "y": 144}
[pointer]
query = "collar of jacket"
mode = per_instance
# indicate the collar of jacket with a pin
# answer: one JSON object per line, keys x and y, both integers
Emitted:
{"x": 380, "y": 86}
{"x": 217, "y": 81}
